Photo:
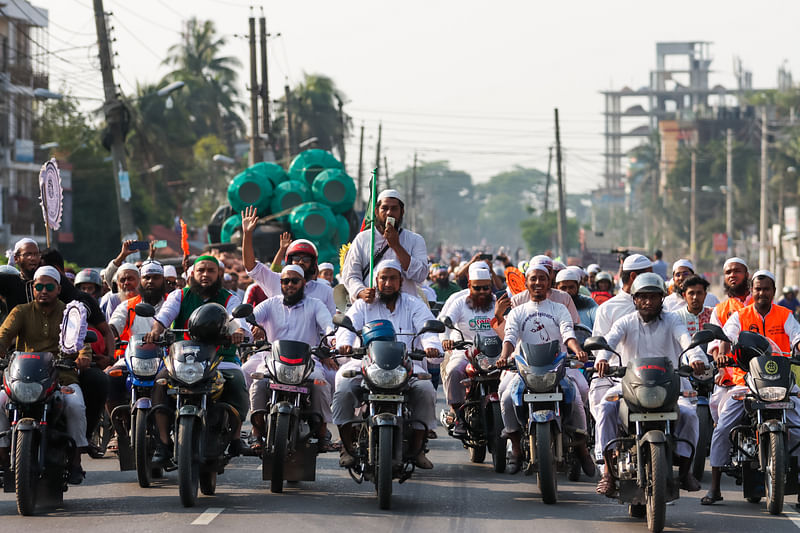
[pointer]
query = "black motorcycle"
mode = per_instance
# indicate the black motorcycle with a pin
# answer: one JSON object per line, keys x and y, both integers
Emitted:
{"x": 41, "y": 449}
{"x": 641, "y": 459}
{"x": 481, "y": 409}
{"x": 383, "y": 448}
{"x": 203, "y": 426}
{"x": 763, "y": 461}
{"x": 291, "y": 447}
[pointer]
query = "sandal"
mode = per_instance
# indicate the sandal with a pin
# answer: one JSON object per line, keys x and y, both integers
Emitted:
{"x": 257, "y": 446}
{"x": 607, "y": 487}
{"x": 710, "y": 499}
{"x": 325, "y": 445}
{"x": 512, "y": 465}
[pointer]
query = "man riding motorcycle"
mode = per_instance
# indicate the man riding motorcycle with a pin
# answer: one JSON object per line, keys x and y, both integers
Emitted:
{"x": 407, "y": 314}
{"x": 569, "y": 280}
{"x": 649, "y": 331}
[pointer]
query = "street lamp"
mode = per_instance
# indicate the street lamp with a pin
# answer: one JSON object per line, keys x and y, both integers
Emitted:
{"x": 44, "y": 94}
{"x": 224, "y": 159}
{"x": 167, "y": 89}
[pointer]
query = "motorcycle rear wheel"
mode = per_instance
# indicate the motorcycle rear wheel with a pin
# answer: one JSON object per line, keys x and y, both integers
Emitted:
{"x": 656, "y": 489}
{"x": 775, "y": 474}
{"x": 477, "y": 454}
{"x": 188, "y": 468}
{"x": 279, "y": 451}
{"x": 25, "y": 480}
{"x": 545, "y": 459}
{"x": 383, "y": 479}
{"x": 208, "y": 483}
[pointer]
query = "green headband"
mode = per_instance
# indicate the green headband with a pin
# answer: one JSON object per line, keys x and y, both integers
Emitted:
{"x": 206, "y": 258}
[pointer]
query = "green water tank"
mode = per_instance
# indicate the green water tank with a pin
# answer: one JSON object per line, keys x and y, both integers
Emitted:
{"x": 251, "y": 187}
{"x": 231, "y": 225}
{"x": 306, "y": 165}
{"x": 289, "y": 194}
{"x": 271, "y": 171}
{"x": 313, "y": 221}
{"x": 334, "y": 188}
{"x": 342, "y": 234}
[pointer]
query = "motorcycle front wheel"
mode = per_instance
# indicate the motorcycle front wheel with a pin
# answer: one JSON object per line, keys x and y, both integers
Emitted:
{"x": 656, "y": 488}
{"x": 383, "y": 479}
{"x": 703, "y": 440}
{"x": 25, "y": 479}
{"x": 188, "y": 468}
{"x": 775, "y": 473}
{"x": 279, "y": 452}
{"x": 144, "y": 470}
{"x": 496, "y": 438}
{"x": 545, "y": 459}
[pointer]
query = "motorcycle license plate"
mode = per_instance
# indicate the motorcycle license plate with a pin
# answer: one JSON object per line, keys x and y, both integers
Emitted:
{"x": 288, "y": 388}
{"x": 548, "y": 397}
{"x": 386, "y": 398}
{"x": 653, "y": 417}
{"x": 779, "y": 405}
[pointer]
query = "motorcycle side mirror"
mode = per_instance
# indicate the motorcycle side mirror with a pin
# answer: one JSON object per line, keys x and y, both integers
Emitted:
{"x": 448, "y": 322}
{"x": 242, "y": 311}
{"x": 594, "y": 344}
{"x": 432, "y": 326}
{"x": 717, "y": 331}
{"x": 90, "y": 337}
{"x": 343, "y": 321}
{"x": 145, "y": 310}
{"x": 702, "y": 336}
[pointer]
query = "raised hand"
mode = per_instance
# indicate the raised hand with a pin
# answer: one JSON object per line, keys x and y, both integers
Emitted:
{"x": 249, "y": 219}
{"x": 286, "y": 240}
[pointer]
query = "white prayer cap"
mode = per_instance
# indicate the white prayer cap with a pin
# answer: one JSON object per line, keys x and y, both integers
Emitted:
{"x": 22, "y": 242}
{"x": 636, "y": 262}
{"x": 227, "y": 277}
{"x": 682, "y": 263}
{"x": 537, "y": 266}
{"x": 170, "y": 272}
{"x": 541, "y": 259}
{"x": 558, "y": 266}
{"x": 594, "y": 268}
{"x": 151, "y": 268}
{"x": 479, "y": 265}
{"x": 766, "y": 273}
{"x": 47, "y": 271}
{"x": 388, "y": 263}
{"x": 581, "y": 272}
{"x": 390, "y": 193}
{"x": 732, "y": 260}
{"x": 479, "y": 274}
{"x": 125, "y": 267}
{"x": 568, "y": 275}
{"x": 292, "y": 268}
{"x": 325, "y": 266}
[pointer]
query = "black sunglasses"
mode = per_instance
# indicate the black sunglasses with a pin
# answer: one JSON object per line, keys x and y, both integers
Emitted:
{"x": 42, "y": 286}
{"x": 481, "y": 287}
{"x": 292, "y": 281}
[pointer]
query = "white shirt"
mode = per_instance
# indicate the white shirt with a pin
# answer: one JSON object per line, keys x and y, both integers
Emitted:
{"x": 141, "y": 324}
{"x": 664, "y": 336}
{"x": 675, "y": 301}
{"x": 305, "y": 321}
{"x": 538, "y": 323}
{"x": 109, "y": 303}
{"x": 791, "y": 327}
{"x": 409, "y": 315}
{"x": 554, "y": 295}
{"x": 172, "y": 306}
{"x": 611, "y": 311}
{"x": 469, "y": 321}
{"x": 357, "y": 260}
{"x": 271, "y": 283}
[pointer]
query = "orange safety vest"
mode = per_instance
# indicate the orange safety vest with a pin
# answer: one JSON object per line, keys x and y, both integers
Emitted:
{"x": 125, "y": 334}
{"x": 770, "y": 326}
{"x": 724, "y": 310}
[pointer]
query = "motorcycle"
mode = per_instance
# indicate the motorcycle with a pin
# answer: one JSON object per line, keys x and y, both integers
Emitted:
{"x": 641, "y": 458}
{"x": 133, "y": 422}
{"x": 550, "y": 443}
{"x": 481, "y": 409}
{"x": 291, "y": 447}
{"x": 41, "y": 449}
{"x": 383, "y": 449}
{"x": 762, "y": 460}
{"x": 203, "y": 426}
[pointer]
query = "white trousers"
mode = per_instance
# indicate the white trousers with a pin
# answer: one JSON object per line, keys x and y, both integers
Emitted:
{"x": 511, "y": 420}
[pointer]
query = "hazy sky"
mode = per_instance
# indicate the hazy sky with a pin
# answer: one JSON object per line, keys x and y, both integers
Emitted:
{"x": 471, "y": 82}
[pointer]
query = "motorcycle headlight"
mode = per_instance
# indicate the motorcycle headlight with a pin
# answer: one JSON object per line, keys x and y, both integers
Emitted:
{"x": 772, "y": 394}
{"x": 651, "y": 397}
{"x": 26, "y": 392}
{"x": 540, "y": 382}
{"x": 144, "y": 367}
{"x": 484, "y": 363}
{"x": 189, "y": 372}
{"x": 387, "y": 379}
{"x": 289, "y": 375}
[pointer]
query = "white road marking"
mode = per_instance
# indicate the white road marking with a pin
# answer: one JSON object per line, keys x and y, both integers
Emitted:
{"x": 210, "y": 514}
{"x": 793, "y": 516}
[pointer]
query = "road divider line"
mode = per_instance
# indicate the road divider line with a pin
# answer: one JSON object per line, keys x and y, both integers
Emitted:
{"x": 794, "y": 517}
{"x": 208, "y": 515}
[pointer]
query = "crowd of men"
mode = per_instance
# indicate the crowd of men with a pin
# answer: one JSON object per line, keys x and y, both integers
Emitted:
{"x": 295, "y": 297}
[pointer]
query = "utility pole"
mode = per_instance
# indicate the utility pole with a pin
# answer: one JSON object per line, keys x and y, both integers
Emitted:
{"x": 254, "y": 156}
{"x": 113, "y": 110}
{"x": 378, "y": 155}
{"x": 360, "y": 182}
{"x": 693, "y": 209}
{"x": 729, "y": 189}
{"x": 763, "y": 250}
{"x": 266, "y": 127}
{"x": 341, "y": 130}
{"x": 547, "y": 182}
{"x": 287, "y": 130}
{"x": 386, "y": 172}
{"x": 561, "y": 208}
{"x": 414, "y": 194}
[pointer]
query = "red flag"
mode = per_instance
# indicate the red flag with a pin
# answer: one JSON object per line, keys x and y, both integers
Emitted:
{"x": 184, "y": 239}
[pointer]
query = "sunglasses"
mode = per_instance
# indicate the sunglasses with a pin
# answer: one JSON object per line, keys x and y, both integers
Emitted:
{"x": 50, "y": 287}
{"x": 291, "y": 281}
{"x": 481, "y": 287}
{"x": 307, "y": 259}
{"x": 172, "y": 284}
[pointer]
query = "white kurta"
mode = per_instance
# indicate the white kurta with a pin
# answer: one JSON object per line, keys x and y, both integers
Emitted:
{"x": 270, "y": 282}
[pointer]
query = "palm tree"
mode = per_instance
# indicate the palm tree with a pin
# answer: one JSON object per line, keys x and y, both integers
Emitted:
{"x": 211, "y": 95}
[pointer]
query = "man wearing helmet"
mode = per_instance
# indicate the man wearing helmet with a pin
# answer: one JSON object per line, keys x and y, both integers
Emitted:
{"x": 205, "y": 286}
{"x": 294, "y": 316}
{"x": 392, "y": 241}
{"x": 789, "y": 300}
{"x": 649, "y": 331}
{"x": 405, "y": 314}
{"x": 603, "y": 283}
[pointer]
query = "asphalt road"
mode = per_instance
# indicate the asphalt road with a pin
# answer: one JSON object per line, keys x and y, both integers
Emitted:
{"x": 455, "y": 496}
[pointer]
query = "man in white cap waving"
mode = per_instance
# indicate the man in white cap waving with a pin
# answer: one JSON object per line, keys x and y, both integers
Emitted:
{"x": 778, "y": 325}
{"x": 683, "y": 269}
{"x": 392, "y": 241}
